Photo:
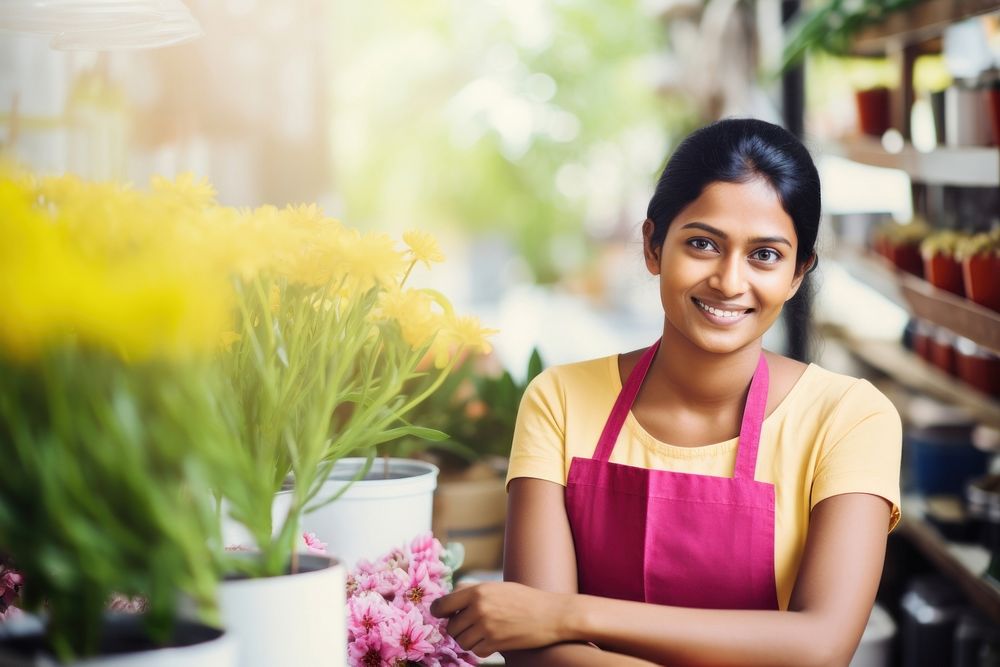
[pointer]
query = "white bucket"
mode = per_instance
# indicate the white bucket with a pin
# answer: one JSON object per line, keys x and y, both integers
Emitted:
{"x": 294, "y": 619}
{"x": 374, "y": 514}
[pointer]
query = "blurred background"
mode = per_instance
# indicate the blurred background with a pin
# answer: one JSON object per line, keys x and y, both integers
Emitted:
{"x": 527, "y": 136}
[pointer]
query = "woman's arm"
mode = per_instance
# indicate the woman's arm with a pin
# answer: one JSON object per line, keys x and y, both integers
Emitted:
{"x": 834, "y": 591}
{"x": 538, "y": 552}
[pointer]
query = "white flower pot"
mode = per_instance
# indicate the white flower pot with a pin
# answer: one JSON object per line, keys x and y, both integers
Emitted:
{"x": 194, "y": 645}
{"x": 294, "y": 619}
{"x": 235, "y": 533}
{"x": 374, "y": 514}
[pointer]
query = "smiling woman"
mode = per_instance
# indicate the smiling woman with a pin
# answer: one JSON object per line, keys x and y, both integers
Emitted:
{"x": 736, "y": 505}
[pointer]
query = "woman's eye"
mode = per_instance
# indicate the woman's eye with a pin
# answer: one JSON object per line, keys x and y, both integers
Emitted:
{"x": 766, "y": 255}
{"x": 700, "y": 244}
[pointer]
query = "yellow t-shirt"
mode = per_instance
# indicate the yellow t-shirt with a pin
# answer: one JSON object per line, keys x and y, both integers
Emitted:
{"x": 831, "y": 434}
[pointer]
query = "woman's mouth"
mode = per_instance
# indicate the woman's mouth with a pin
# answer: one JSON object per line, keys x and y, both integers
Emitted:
{"x": 719, "y": 315}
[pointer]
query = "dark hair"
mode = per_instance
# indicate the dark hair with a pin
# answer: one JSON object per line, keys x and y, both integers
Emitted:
{"x": 739, "y": 150}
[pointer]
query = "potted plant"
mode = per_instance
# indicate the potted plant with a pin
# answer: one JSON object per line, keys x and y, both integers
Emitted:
{"x": 900, "y": 244}
{"x": 980, "y": 257}
{"x": 324, "y": 364}
{"x": 942, "y": 267}
{"x": 477, "y": 408}
{"x": 108, "y": 427}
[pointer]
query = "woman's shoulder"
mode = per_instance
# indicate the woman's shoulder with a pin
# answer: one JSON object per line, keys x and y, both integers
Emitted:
{"x": 588, "y": 370}
{"x": 578, "y": 376}
{"x": 832, "y": 393}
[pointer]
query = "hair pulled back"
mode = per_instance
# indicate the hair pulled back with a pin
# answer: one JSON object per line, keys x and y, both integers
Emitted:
{"x": 739, "y": 150}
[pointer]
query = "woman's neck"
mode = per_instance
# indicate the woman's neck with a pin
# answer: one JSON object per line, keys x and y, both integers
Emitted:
{"x": 685, "y": 374}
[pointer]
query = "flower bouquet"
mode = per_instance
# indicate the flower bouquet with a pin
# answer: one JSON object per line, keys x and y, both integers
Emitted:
{"x": 388, "y": 608}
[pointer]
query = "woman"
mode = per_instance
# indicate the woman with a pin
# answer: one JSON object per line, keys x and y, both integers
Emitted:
{"x": 703, "y": 501}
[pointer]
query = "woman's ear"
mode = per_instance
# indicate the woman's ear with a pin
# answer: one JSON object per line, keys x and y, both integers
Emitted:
{"x": 649, "y": 251}
{"x": 801, "y": 274}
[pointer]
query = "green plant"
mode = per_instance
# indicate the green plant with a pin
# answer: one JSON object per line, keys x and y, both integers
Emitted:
{"x": 109, "y": 435}
{"x": 329, "y": 355}
{"x": 477, "y": 409}
{"x": 832, "y": 25}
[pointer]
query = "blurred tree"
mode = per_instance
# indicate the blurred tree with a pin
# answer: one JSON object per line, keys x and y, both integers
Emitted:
{"x": 534, "y": 120}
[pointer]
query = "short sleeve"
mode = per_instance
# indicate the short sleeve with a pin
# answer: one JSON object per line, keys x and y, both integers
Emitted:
{"x": 862, "y": 449}
{"x": 538, "y": 449}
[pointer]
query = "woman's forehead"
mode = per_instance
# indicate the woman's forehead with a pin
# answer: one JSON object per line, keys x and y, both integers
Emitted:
{"x": 741, "y": 210}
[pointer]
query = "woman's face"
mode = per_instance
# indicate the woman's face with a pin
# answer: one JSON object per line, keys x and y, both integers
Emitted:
{"x": 727, "y": 265}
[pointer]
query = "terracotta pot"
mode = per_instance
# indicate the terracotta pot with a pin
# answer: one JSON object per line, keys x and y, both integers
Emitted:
{"x": 873, "y": 111}
{"x": 471, "y": 508}
{"x": 906, "y": 257}
{"x": 922, "y": 335}
{"x": 993, "y": 95}
{"x": 981, "y": 278}
{"x": 945, "y": 272}
{"x": 977, "y": 367}
{"x": 942, "y": 351}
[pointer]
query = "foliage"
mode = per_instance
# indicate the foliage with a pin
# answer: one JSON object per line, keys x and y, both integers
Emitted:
{"x": 108, "y": 402}
{"x": 329, "y": 353}
{"x": 527, "y": 122}
{"x": 477, "y": 409}
{"x": 832, "y": 25}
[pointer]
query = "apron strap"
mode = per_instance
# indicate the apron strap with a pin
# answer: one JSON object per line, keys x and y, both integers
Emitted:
{"x": 626, "y": 397}
{"x": 753, "y": 419}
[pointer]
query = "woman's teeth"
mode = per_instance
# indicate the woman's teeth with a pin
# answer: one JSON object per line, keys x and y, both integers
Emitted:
{"x": 717, "y": 312}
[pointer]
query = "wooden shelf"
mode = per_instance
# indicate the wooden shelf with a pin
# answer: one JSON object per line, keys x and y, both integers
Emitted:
{"x": 910, "y": 370}
{"x": 962, "y": 563}
{"x": 924, "y": 21}
{"x": 923, "y": 300}
{"x": 972, "y": 166}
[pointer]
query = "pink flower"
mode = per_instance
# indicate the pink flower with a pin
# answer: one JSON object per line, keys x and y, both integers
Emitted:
{"x": 371, "y": 651}
{"x": 397, "y": 558}
{"x": 365, "y": 613}
{"x": 314, "y": 544}
{"x": 389, "y": 620}
{"x": 412, "y": 636}
{"x": 10, "y": 587}
{"x": 420, "y": 587}
{"x": 425, "y": 548}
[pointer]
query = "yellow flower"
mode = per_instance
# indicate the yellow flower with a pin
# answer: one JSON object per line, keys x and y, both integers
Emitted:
{"x": 413, "y": 310}
{"x": 83, "y": 262}
{"x": 423, "y": 247}
{"x": 460, "y": 334}
{"x": 371, "y": 259}
{"x": 186, "y": 189}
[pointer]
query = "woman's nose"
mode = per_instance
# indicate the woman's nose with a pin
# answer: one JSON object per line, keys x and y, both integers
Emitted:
{"x": 729, "y": 277}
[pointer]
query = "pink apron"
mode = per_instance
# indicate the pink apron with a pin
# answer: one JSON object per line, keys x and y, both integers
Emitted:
{"x": 674, "y": 538}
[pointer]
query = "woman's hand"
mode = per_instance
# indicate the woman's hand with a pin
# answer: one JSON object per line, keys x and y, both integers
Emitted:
{"x": 491, "y": 617}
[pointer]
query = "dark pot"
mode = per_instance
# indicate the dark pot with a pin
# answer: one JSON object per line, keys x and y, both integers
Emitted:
{"x": 873, "y": 111}
{"x": 124, "y": 643}
{"x": 906, "y": 257}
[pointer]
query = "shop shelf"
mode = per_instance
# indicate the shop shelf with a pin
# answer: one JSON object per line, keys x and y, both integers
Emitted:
{"x": 962, "y": 563}
{"x": 923, "y": 300}
{"x": 920, "y": 23}
{"x": 968, "y": 166}
{"x": 911, "y": 371}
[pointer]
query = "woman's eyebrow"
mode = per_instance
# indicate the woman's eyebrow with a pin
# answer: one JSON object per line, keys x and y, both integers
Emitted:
{"x": 722, "y": 235}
